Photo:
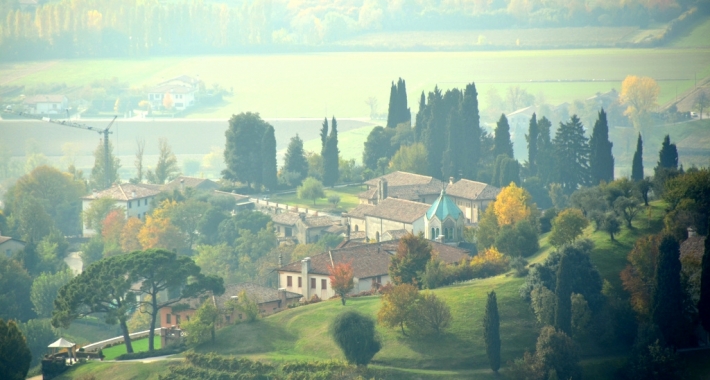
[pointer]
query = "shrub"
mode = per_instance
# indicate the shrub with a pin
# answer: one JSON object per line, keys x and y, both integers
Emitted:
{"x": 489, "y": 263}
{"x": 543, "y": 304}
{"x": 433, "y": 315}
{"x": 355, "y": 334}
{"x": 520, "y": 266}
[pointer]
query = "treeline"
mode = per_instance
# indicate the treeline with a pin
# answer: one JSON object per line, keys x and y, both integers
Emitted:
{"x": 139, "y": 28}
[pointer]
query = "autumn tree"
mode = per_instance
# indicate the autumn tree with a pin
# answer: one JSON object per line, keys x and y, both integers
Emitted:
{"x": 398, "y": 306}
{"x": 512, "y": 205}
{"x": 129, "y": 235}
{"x": 97, "y": 212}
{"x": 159, "y": 233}
{"x": 640, "y": 95}
{"x": 637, "y": 277}
{"x": 112, "y": 226}
{"x": 413, "y": 252}
{"x": 567, "y": 226}
{"x": 433, "y": 315}
{"x": 341, "y": 279}
{"x": 168, "y": 101}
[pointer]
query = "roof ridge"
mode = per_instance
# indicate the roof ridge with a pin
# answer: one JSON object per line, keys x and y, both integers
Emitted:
{"x": 120, "y": 187}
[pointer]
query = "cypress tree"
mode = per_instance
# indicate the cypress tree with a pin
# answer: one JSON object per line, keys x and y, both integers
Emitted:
{"x": 571, "y": 155}
{"x": 704, "y": 303}
{"x": 668, "y": 156}
{"x": 531, "y": 138}
{"x": 295, "y": 159}
{"x": 393, "y": 107}
{"x": 667, "y": 298}
{"x": 501, "y": 140}
{"x": 331, "y": 156}
{"x": 601, "y": 160}
{"x": 637, "y": 164}
{"x": 563, "y": 293}
{"x": 242, "y": 154}
{"x": 471, "y": 131}
{"x": 435, "y": 134}
{"x": 421, "y": 119}
{"x": 403, "y": 113}
{"x": 545, "y": 152}
{"x": 323, "y": 135}
{"x": 491, "y": 331}
{"x": 268, "y": 159}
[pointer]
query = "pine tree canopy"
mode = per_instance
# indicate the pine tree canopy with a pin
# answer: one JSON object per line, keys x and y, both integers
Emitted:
{"x": 571, "y": 155}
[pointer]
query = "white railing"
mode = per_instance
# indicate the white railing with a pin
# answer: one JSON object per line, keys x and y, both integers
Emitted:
{"x": 93, "y": 347}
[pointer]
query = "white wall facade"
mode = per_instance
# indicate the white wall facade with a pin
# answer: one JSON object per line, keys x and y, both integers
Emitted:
{"x": 361, "y": 285}
{"x": 375, "y": 227}
{"x": 136, "y": 208}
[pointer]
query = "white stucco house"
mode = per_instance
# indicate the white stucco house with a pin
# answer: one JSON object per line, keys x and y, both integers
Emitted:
{"x": 135, "y": 199}
{"x": 46, "y": 104}
{"x": 182, "y": 90}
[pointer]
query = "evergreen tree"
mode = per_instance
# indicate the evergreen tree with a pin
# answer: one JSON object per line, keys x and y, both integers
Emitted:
{"x": 601, "y": 160}
{"x": 668, "y": 156}
{"x": 331, "y": 156}
{"x": 421, "y": 120}
{"x": 491, "y": 331}
{"x": 505, "y": 171}
{"x": 545, "y": 159}
{"x": 15, "y": 355}
{"x": 435, "y": 134}
{"x": 502, "y": 143}
{"x": 563, "y": 293}
{"x": 667, "y": 298}
{"x": 531, "y": 138}
{"x": 471, "y": 127}
{"x": 704, "y": 303}
{"x": 572, "y": 155}
{"x": 377, "y": 146}
{"x": 295, "y": 159}
{"x": 637, "y": 164}
{"x": 393, "y": 107}
{"x": 403, "y": 113}
{"x": 98, "y": 176}
{"x": 268, "y": 159}
{"x": 453, "y": 159}
{"x": 323, "y": 135}
{"x": 242, "y": 153}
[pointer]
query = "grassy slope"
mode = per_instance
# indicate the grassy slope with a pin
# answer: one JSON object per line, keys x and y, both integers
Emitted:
{"x": 118, "y": 371}
{"x": 139, "y": 345}
{"x": 348, "y": 199}
{"x": 698, "y": 37}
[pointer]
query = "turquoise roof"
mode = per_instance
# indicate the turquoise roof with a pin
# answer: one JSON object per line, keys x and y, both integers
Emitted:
{"x": 443, "y": 207}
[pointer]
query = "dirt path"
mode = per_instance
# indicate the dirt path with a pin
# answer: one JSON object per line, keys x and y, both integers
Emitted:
{"x": 17, "y": 74}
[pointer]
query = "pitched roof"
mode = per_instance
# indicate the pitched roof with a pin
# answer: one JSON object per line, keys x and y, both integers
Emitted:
{"x": 393, "y": 234}
{"x": 399, "y": 210}
{"x": 193, "y": 182}
{"x": 8, "y": 238}
{"x": 318, "y": 221}
{"x": 124, "y": 192}
{"x": 182, "y": 78}
{"x": 369, "y": 260}
{"x": 287, "y": 218}
{"x": 443, "y": 207}
{"x": 238, "y": 197}
{"x": 261, "y": 294}
{"x": 403, "y": 178}
{"x": 472, "y": 190}
{"x": 360, "y": 210}
{"x": 44, "y": 99}
{"x": 403, "y": 185}
{"x": 172, "y": 89}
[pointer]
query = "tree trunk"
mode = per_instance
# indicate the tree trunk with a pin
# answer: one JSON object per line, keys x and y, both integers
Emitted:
{"x": 126, "y": 336}
{"x": 342, "y": 299}
{"x": 401, "y": 325}
{"x": 611, "y": 234}
{"x": 153, "y": 316}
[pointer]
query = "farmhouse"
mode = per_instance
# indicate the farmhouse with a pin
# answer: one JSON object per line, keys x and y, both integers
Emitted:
{"x": 269, "y": 300}
{"x": 370, "y": 263}
{"x": 181, "y": 90}
{"x": 183, "y": 182}
{"x": 135, "y": 199}
{"x": 304, "y": 229}
{"x": 471, "y": 197}
{"x": 9, "y": 245}
{"x": 402, "y": 185}
{"x": 46, "y": 104}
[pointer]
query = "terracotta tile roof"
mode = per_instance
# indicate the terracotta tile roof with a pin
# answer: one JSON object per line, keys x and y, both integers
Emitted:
{"x": 286, "y": 218}
{"x": 193, "y": 182}
{"x": 399, "y": 210}
{"x": 403, "y": 178}
{"x": 238, "y": 197}
{"x": 360, "y": 210}
{"x": 472, "y": 190}
{"x": 125, "y": 192}
{"x": 319, "y": 221}
{"x": 45, "y": 99}
{"x": 336, "y": 229}
{"x": 262, "y": 294}
{"x": 394, "y": 234}
{"x": 8, "y": 238}
{"x": 369, "y": 260}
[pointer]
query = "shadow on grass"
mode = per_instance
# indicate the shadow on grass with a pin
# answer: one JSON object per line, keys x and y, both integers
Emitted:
{"x": 433, "y": 349}
{"x": 249, "y": 338}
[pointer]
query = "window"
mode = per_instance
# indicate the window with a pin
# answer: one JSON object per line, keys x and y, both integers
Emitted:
{"x": 313, "y": 283}
{"x": 129, "y": 204}
{"x": 377, "y": 236}
{"x": 324, "y": 284}
{"x": 168, "y": 319}
{"x": 433, "y": 233}
{"x": 146, "y": 202}
{"x": 300, "y": 285}
{"x": 240, "y": 316}
{"x": 289, "y": 281}
{"x": 177, "y": 319}
{"x": 357, "y": 228}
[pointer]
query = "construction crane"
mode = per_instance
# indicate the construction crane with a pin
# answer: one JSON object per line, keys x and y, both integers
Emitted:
{"x": 68, "y": 123}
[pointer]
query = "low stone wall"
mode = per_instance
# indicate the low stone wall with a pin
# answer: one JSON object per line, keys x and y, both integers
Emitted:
{"x": 93, "y": 347}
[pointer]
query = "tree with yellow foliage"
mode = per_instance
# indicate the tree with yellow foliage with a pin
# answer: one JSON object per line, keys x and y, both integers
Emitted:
{"x": 159, "y": 233}
{"x": 512, "y": 205}
{"x": 129, "y": 235}
{"x": 640, "y": 95}
{"x": 398, "y": 306}
{"x": 168, "y": 101}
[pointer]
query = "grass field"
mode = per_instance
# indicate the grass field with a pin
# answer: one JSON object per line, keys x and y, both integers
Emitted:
{"x": 698, "y": 37}
{"x": 348, "y": 199}
{"x": 139, "y": 345}
{"x": 117, "y": 371}
{"x": 316, "y": 84}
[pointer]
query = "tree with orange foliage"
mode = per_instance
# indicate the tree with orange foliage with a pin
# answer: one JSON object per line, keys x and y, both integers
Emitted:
{"x": 129, "y": 235}
{"x": 113, "y": 226}
{"x": 640, "y": 95}
{"x": 341, "y": 279}
{"x": 159, "y": 233}
{"x": 168, "y": 101}
{"x": 512, "y": 205}
{"x": 638, "y": 276}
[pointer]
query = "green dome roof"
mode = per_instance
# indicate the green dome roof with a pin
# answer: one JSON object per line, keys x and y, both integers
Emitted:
{"x": 443, "y": 207}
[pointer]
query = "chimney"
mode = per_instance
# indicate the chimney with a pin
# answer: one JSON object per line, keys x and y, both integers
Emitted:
{"x": 302, "y": 216}
{"x": 306, "y": 286}
{"x": 381, "y": 190}
{"x": 691, "y": 232}
{"x": 280, "y": 261}
{"x": 451, "y": 181}
{"x": 182, "y": 184}
{"x": 282, "y": 298}
{"x": 133, "y": 194}
{"x": 343, "y": 218}
{"x": 347, "y": 231}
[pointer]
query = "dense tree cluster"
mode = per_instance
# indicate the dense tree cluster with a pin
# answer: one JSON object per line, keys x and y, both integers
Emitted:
{"x": 398, "y": 112}
{"x": 250, "y": 152}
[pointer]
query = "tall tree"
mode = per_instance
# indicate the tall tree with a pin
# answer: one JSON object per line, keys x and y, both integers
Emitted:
{"x": 435, "y": 133}
{"x": 502, "y": 143}
{"x": 158, "y": 271}
{"x": 471, "y": 139}
{"x": 331, "y": 156}
{"x": 667, "y": 298}
{"x": 545, "y": 152}
{"x": 704, "y": 302}
{"x": 491, "y": 331}
{"x": 242, "y": 154}
{"x": 15, "y": 356}
{"x": 563, "y": 293}
{"x": 601, "y": 160}
{"x": 668, "y": 155}
{"x": 166, "y": 169}
{"x": 393, "y": 107}
{"x": 377, "y": 146}
{"x": 323, "y": 135}
{"x": 140, "y": 149}
{"x": 640, "y": 94}
{"x": 531, "y": 138}
{"x": 15, "y": 285}
{"x": 421, "y": 121}
{"x": 572, "y": 155}
{"x": 413, "y": 252}
{"x": 341, "y": 279}
{"x": 637, "y": 164}
{"x": 403, "y": 113}
{"x": 98, "y": 172}
{"x": 295, "y": 159}
{"x": 268, "y": 159}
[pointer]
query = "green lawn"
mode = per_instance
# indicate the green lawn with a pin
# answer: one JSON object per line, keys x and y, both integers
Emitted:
{"x": 139, "y": 345}
{"x": 348, "y": 199}
{"x": 325, "y": 84}
{"x": 117, "y": 371}
{"x": 88, "y": 330}
{"x": 698, "y": 37}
